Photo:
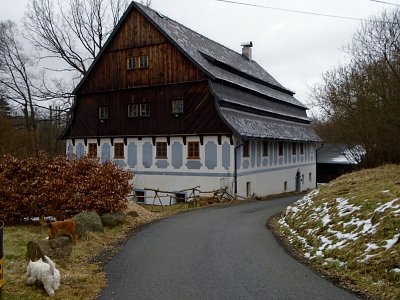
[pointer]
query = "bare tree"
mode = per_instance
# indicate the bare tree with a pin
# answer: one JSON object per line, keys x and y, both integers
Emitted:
{"x": 72, "y": 30}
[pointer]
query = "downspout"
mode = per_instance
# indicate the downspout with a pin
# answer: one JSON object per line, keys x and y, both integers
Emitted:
{"x": 236, "y": 167}
{"x": 316, "y": 162}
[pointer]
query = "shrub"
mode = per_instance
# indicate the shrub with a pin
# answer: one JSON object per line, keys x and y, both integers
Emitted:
{"x": 60, "y": 188}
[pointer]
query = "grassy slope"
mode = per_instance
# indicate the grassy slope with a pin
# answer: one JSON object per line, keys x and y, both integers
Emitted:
{"x": 350, "y": 229}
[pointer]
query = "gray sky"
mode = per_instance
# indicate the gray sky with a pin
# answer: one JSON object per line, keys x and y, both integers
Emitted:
{"x": 294, "y": 48}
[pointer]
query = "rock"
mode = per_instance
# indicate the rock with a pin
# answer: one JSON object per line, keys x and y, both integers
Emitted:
{"x": 87, "y": 221}
{"x": 58, "y": 248}
{"x": 113, "y": 219}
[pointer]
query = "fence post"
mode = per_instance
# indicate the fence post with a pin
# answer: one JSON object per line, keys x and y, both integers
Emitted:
{"x": 1, "y": 259}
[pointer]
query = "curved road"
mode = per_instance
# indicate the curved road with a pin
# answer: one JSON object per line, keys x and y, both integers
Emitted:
{"x": 214, "y": 253}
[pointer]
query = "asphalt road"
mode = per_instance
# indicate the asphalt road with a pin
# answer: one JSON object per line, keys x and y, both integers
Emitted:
{"x": 214, "y": 253}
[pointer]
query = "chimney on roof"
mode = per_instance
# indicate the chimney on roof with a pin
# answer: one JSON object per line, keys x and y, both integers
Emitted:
{"x": 246, "y": 50}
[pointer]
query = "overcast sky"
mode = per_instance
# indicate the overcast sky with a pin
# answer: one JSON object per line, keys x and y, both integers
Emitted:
{"x": 294, "y": 48}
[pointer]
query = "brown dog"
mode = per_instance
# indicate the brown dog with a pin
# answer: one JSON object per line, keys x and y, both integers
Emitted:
{"x": 61, "y": 228}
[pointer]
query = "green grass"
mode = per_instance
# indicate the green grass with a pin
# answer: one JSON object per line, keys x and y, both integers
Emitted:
{"x": 338, "y": 229}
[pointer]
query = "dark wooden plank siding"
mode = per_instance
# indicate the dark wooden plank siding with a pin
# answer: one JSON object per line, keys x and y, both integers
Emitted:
{"x": 138, "y": 37}
{"x": 200, "y": 115}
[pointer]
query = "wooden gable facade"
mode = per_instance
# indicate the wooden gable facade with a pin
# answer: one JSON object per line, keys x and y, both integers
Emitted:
{"x": 181, "y": 110}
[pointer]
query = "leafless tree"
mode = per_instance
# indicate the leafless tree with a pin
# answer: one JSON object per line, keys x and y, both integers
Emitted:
{"x": 360, "y": 101}
{"x": 72, "y": 30}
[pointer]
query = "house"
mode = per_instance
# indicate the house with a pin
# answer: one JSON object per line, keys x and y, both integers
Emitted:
{"x": 333, "y": 160}
{"x": 181, "y": 110}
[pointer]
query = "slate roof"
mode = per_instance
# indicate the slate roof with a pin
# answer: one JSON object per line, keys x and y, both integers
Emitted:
{"x": 249, "y": 99}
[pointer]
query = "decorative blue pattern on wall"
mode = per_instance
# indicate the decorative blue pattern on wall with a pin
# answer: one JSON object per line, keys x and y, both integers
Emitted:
{"x": 194, "y": 164}
{"x": 162, "y": 163}
{"x": 280, "y": 160}
{"x": 239, "y": 157}
{"x": 211, "y": 155}
{"x": 276, "y": 154}
{"x": 80, "y": 150}
{"x": 246, "y": 164}
{"x": 226, "y": 155}
{"x": 147, "y": 155}
{"x": 105, "y": 152}
{"x": 132, "y": 155}
{"x": 121, "y": 163}
{"x": 259, "y": 154}
{"x": 253, "y": 153}
{"x": 286, "y": 154}
{"x": 265, "y": 162}
{"x": 177, "y": 154}
{"x": 271, "y": 152}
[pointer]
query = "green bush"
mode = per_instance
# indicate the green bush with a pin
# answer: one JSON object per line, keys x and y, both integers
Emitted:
{"x": 57, "y": 187}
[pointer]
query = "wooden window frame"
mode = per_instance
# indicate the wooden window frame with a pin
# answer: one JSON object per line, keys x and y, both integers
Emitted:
{"x": 92, "y": 150}
{"x": 265, "y": 146}
{"x": 246, "y": 149}
{"x": 280, "y": 148}
{"x": 119, "y": 150}
{"x": 133, "y": 110}
{"x": 143, "y": 61}
{"x": 193, "y": 150}
{"x": 145, "y": 110}
{"x": 161, "y": 150}
{"x": 131, "y": 63}
{"x": 103, "y": 112}
{"x": 177, "y": 106}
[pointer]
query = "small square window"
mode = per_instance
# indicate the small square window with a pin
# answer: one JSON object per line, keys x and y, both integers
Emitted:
{"x": 133, "y": 110}
{"x": 177, "y": 106}
{"x": 131, "y": 63}
{"x": 193, "y": 150}
{"x": 265, "y": 148}
{"x": 161, "y": 150}
{"x": 92, "y": 150}
{"x": 145, "y": 110}
{"x": 246, "y": 149}
{"x": 139, "y": 195}
{"x": 144, "y": 61}
{"x": 280, "y": 148}
{"x": 103, "y": 112}
{"x": 118, "y": 150}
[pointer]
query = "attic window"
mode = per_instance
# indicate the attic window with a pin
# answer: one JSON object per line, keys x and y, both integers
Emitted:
{"x": 144, "y": 61}
{"x": 177, "y": 106}
{"x": 131, "y": 63}
{"x": 103, "y": 112}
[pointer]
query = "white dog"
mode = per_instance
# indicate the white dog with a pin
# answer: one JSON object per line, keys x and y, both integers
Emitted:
{"x": 45, "y": 272}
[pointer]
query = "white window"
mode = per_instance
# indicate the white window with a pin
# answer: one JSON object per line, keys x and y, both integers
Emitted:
{"x": 131, "y": 63}
{"x": 177, "y": 106}
{"x": 144, "y": 61}
{"x": 133, "y": 110}
{"x": 145, "y": 110}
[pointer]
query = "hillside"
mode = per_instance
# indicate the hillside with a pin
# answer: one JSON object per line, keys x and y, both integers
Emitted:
{"x": 350, "y": 230}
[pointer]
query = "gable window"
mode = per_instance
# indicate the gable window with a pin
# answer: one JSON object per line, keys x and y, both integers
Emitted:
{"x": 92, "y": 150}
{"x": 145, "y": 110}
{"x": 294, "y": 148}
{"x": 144, "y": 61}
{"x": 280, "y": 148}
{"x": 301, "y": 148}
{"x": 118, "y": 150}
{"x": 133, "y": 110}
{"x": 131, "y": 63}
{"x": 193, "y": 150}
{"x": 177, "y": 106}
{"x": 161, "y": 150}
{"x": 103, "y": 112}
{"x": 265, "y": 148}
{"x": 246, "y": 149}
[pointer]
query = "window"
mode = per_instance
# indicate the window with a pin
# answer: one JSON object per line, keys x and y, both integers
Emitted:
{"x": 294, "y": 148}
{"x": 180, "y": 197}
{"x": 92, "y": 150}
{"x": 145, "y": 110}
{"x": 133, "y": 110}
{"x": 161, "y": 150}
{"x": 265, "y": 148}
{"x": 280, "y": 148}
{"x": 193, "y": 150}
{"x": 103, "y": 112}
{"x": 285, "y": 185}
{"x": 118, "y": 150}
{"x": 139, "y": 195}
{"x": 301, "y": 148}
{"x": 144, "y": 61}
{"x": 246, "y": 149}
{"x": 248, "y": 189}
{"x": 309, "y": 177}
{"x": 131, "y": 63}
{"x": 177, "y": 106}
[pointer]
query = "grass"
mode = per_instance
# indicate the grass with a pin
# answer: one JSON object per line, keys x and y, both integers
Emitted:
{"x": 350, "y": 230}
{"x": 82, "y": 275}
